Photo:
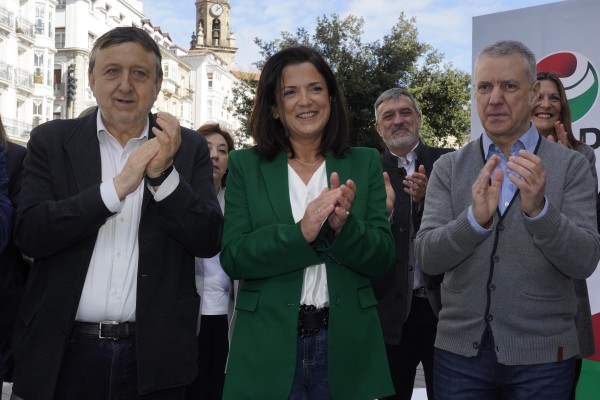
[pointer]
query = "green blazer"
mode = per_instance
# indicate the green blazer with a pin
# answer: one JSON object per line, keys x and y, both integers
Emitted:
{"x": 264, "y": 247}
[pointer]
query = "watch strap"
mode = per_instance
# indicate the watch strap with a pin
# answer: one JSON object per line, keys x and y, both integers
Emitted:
{"x": 157, "y": 181}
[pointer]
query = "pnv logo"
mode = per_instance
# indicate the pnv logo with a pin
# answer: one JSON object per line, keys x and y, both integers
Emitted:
{"x": 579, "y": 77}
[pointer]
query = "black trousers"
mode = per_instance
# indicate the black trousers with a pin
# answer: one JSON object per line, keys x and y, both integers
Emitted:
{"x": 213, "y": 347}
{"x": 104, "y": 369}
{"x": 416, "y": 345}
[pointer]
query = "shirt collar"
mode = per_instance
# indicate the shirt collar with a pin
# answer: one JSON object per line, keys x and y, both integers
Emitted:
{"x": 410, "y": 157}
{"x": 102, "y": 132}
{"x": 528, "y": 141}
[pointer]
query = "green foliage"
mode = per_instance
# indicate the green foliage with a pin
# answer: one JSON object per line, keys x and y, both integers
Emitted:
{"x": 243, "y": 101}
{"x": 365, "y": 70}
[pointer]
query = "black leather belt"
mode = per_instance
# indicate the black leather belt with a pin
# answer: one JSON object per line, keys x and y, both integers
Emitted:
{"x": 106, "y": 329}
{"x": 312, "y": 319}
{"x": 420, "y": 292}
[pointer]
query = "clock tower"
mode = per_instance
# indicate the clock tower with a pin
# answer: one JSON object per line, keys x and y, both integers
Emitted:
{"x": 213, "y": 32}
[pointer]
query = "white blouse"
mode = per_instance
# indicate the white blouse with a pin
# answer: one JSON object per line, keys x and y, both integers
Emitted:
{"x": 212, "y": 282}
{"x": 314, "y": 285}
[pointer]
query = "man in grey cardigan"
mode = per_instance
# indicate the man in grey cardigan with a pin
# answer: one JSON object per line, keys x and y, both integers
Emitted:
{"x": 509, "y": 238}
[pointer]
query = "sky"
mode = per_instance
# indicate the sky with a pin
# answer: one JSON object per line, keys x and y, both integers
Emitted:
{"x": 444, "y": 24}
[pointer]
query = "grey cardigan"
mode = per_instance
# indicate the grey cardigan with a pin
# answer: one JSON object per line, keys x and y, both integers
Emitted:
{"x": 583, "y": 318}
{"x": 517, "y": 278}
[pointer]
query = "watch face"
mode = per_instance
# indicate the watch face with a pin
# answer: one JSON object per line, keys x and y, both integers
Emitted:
{"x": 216, "y": 10}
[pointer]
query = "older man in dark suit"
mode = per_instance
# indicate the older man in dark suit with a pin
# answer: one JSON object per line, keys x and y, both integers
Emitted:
{"x": 13, "y": 267}
{"x": 113, "y": 207}
{"x": 408, "y": 299}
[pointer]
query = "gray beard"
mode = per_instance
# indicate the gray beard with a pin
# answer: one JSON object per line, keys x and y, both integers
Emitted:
{"x": 402, "y": 142}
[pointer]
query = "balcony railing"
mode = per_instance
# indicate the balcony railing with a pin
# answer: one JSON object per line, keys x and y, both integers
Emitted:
{"x": 7, "y": 19}
{"x": 25, "y": 28}
{"x": 168, "y": 86}
{"x": 24, "y": 79}
{"x": 16, "y": 129}
{"x": 6, "y": 72}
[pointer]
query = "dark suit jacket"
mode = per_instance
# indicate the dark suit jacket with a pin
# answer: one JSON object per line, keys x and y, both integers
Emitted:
{"x": 394, "y": 290}
{"x": 263, "y": 246}
{"x": 13, "y": 268}
{"x": 60, "y": 212}
{"x": 6, "y": 209}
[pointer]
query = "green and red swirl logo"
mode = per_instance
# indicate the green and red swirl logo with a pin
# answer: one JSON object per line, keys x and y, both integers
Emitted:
{"x": 579, "y": 77}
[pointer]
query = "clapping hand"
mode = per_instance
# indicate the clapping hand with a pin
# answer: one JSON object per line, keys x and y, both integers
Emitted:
{"x": 333, "y": 204}
{"x": 561, "y": 134}
{"x": 169, "y": 137}
{"x": 531, "y": 181}
{"x": 390, "y": 195}
{"x": 485, "y": 196}
{"x": 415, "y": 184}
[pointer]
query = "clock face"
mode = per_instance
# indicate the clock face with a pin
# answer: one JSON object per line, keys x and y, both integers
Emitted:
{"x": 216, "y": 10}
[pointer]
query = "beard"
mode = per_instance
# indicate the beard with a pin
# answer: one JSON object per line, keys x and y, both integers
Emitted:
{"x": 402, "y": 139}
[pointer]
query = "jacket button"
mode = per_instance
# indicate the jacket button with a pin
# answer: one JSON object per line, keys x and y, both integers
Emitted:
{"x": 496, "y": 258}
{"x": 337, "y": 300}
{"x": 401, "y": 230}
{"x": 475, "y": 345}
{"x": 500, "y": 226}
{"x": 410, "y": 267}
{"x": 492, "y": 287}
{"x": 489, "y": 317}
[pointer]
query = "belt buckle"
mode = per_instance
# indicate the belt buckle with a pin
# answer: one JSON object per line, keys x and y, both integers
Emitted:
{"x": 100, "y": 324}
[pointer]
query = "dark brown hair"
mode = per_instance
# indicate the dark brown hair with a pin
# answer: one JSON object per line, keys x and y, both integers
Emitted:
{"x": 565, "y": 110}
{"x": 269, "y": 133}
{"x": 210, "y": 128}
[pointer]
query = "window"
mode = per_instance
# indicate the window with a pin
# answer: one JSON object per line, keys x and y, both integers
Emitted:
{"x": 166, "y": 70}
{"x": 37, "y": 112}
{"x": 49, "y": 70}
{"x": 210, "y": 80}
{"x": 50, "y": 26}
{"x": 40, "y": 16}
{"x": 38, "y": 63}
{"x": 91, "y": 40}
{"x": 59, "y": 38}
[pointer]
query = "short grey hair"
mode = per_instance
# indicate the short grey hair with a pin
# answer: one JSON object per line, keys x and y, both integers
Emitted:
{"x": 395, "y": 94}
{"x": 505, "y": 48}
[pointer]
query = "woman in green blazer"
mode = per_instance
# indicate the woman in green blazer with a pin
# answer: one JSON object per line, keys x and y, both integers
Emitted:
{"x": 305, "y": 229}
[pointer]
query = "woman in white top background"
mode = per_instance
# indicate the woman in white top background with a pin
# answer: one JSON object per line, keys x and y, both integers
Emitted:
{"x": 214, "y": 287}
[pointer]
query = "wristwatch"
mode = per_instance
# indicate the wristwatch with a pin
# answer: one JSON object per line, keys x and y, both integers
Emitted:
{"x": 161, "y": 178}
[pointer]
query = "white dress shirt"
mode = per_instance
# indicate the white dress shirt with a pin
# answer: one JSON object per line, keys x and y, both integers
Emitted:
{"x": 314, "y": 286}
{"x": 110, "y": 289}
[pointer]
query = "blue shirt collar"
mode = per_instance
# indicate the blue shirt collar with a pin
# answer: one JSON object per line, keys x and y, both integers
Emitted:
{"x": 528, "y": 141}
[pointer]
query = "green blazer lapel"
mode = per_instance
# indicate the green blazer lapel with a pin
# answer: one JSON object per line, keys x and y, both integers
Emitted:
{"x": 343, "y": 166}
{"x": 276, "y": 171}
